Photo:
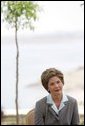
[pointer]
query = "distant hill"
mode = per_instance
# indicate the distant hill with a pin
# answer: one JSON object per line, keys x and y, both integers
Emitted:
{"x": 43, "y": 38}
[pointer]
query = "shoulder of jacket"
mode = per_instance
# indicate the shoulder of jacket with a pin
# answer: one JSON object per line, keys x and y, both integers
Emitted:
{"x": 72, "y": 99}
{"x": 41, "y": 105}
{"x": 42, "y": 100}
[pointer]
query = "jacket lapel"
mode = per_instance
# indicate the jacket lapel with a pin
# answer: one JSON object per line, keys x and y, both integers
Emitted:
{"x": 53, "y": 112}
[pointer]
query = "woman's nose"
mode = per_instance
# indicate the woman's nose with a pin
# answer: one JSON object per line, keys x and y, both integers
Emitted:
{"x": 56, "y": 85}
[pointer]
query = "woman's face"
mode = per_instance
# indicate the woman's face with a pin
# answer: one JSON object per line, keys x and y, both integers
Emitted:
{"x": 55, "y": 86}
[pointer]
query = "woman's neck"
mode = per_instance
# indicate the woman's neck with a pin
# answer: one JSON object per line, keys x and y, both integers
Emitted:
{"x": 57, "y": 98}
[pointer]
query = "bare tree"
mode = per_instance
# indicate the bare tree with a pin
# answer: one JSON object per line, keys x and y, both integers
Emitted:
{"x": 19, "y": 14}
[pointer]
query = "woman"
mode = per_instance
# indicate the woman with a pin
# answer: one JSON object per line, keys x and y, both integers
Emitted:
{"x": 56, "y": 108}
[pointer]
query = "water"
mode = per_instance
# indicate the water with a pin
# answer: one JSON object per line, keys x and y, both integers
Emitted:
{"x": 34, "y": 58}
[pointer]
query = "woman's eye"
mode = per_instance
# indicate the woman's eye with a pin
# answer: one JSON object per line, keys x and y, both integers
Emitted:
{"x": 58, "y": 82}
{"x": 51, "y": 84}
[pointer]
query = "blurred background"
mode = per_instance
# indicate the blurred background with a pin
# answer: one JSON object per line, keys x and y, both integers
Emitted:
{"x": 57, "y": 41}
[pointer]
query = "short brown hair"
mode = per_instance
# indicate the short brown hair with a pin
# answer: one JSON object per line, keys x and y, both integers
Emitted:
{"x": 48, "y": 73}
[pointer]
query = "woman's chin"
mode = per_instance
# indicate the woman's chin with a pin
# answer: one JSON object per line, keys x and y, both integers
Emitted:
{"x": 57, "y": 92}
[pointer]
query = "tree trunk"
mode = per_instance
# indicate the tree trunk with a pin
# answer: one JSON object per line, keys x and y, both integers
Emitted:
{"x": 17, "y": 75}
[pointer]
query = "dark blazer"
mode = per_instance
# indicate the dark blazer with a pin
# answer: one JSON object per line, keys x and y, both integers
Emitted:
{"x": 45, "y": 115}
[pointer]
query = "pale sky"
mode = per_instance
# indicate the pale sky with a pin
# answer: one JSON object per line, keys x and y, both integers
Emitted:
{"x": 56, "y": 16}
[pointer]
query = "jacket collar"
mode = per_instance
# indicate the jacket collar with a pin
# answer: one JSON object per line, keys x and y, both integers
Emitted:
{"x": 53, "y": 106}
{"x": 50, "y": 100}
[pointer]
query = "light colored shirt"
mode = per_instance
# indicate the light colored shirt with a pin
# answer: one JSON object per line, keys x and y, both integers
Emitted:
{"x": 53, "y": 105}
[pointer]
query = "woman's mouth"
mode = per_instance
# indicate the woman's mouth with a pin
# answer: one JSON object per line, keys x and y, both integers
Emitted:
{"x": 57, "y": 90}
